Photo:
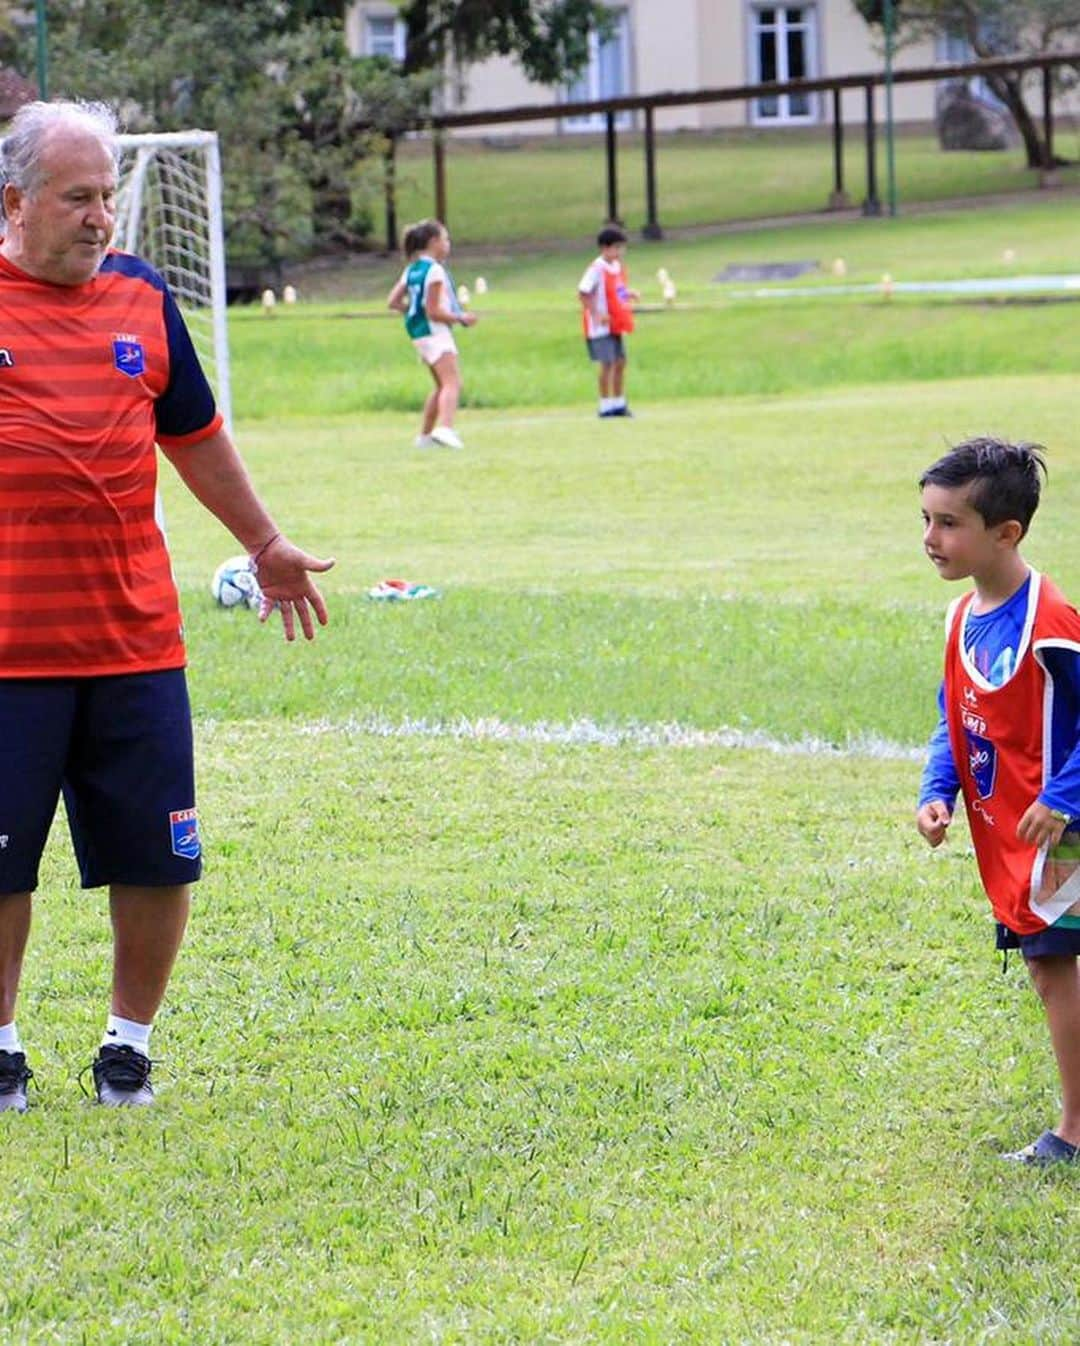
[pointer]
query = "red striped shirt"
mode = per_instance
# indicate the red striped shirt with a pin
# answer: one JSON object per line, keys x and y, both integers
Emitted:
{"x": 92, "y": 377}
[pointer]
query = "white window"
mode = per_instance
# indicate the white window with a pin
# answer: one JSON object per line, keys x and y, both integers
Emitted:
{"x": 606, "y": 76}
{"x": 384, "y": 35}
{"x": 783, "y": 47}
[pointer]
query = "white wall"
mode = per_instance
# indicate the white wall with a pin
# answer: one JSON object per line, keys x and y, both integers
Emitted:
{"x": 679, "y": 45}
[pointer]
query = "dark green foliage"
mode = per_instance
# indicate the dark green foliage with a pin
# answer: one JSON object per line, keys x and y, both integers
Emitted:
{"x": 549, "y": 37}
{"x": 299, "y": 118}
{"x": 303, "y": 124}
{"x": 873, "y": 11}
{"x": 993, "y": 29}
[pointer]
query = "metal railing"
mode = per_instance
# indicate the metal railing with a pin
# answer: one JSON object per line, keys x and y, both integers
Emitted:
{"x": 647, "y": 104}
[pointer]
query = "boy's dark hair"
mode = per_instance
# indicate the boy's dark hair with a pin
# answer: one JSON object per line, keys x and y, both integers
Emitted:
{"x": 1004, "y": 478}
{"x": 609, "y": 235}
{"x": 418, "y": 236}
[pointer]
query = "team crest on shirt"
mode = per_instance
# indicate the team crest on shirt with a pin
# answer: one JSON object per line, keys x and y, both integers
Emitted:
{"x": 128, "y": 355}
{"x": 982, "y": 759}
{"x": 184, "y": 827}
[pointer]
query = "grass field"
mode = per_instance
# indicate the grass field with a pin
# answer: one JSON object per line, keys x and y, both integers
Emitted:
{"x": 567, "y": 968}
{"x": 556, "y": 188}
{"x": 716, "y": 341}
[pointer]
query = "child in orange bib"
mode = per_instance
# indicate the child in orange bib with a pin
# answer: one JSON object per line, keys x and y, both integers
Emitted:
{"x": 607, "y": 317}
{"x": 1008, "y": 736}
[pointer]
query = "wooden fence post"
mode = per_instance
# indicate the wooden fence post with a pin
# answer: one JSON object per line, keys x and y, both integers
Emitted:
{"x": 871, "y": 206}
{"x": 612, "y": 168}
{"x": 652, "y": 223}
{"x": 839, "y": 199}
{"x": 439, "y": 151}
{"x": 390, "y": 192}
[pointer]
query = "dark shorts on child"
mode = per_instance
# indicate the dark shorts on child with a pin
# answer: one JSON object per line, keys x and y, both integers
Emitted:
{"x": 606, "y": 350}
{"x": 119, "y": 749}
{"x": 1053, "y": 942}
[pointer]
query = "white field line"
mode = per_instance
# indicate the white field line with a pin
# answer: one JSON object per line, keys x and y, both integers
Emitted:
{"x": 587, "y": 733}
{"x": 988, "y": 285}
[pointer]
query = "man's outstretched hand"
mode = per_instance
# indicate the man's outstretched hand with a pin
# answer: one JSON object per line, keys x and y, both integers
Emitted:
{"x": 284, "y": 573}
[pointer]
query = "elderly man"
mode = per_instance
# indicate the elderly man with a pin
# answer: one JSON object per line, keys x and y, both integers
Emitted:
{"x": 96, "y": 369}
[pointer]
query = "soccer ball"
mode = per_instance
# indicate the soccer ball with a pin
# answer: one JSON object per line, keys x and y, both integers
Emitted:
{"x": 234, "y": 584}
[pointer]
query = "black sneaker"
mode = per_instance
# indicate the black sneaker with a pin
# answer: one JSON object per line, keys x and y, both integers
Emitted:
{"x": 13, "y": 1076}
{"x": 122, "y": 1078}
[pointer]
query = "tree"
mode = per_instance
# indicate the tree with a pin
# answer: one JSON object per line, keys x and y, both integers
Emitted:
{"x": 296, "y": 113}
{"x": 11, "y": 14}
{"x": 549, "y": 37}
{"x": 997, "y": 28}
{"x": 873, "y": 11}
{"x": 300, "y": 120}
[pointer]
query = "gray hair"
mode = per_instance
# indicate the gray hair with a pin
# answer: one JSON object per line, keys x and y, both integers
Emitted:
{"x": 20, "y": 150}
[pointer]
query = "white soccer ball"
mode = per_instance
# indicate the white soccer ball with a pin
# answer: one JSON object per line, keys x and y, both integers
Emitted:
{"x": 234, "y": 584}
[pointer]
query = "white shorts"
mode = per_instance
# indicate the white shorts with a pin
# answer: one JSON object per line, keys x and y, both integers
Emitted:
{"x": 431, "y": 349}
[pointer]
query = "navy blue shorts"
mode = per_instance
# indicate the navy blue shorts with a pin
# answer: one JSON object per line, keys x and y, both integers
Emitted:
{"x": 119, "y": 749}
{"x": 1054, "y": 942}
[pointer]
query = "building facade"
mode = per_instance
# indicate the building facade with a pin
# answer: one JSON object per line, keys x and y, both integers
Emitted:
{"x": 660, "y": 46}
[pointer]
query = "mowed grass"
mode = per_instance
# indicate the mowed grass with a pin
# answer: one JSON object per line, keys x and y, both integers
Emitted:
{"x": 1027, "y": 235}
{"x": 518, "y": 358}
{"x": 483, "y": 1034}
{"x": 477, "y": 1042}
{"x": 509, "y": 189}
{"x": 753, "y": 563}
{"x": 721, "y": 340}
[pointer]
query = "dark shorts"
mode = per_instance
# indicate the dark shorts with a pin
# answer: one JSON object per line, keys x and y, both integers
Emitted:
{"x": 119, "y": 749}
{"x": 1053, "y": 942}
{"x": 606, "y": 350}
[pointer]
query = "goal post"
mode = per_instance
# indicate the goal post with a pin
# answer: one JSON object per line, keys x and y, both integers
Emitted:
{"x": 168, "y": 211}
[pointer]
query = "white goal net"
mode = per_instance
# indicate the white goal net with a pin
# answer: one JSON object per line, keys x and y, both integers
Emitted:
{"x": 169, "y": 212}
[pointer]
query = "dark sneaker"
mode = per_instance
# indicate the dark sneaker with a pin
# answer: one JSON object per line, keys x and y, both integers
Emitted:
{"x": 13, "y": 1076}
{"x": 1048, "y": 1149}
{"x": 122, "y": 1078}
{"x": 623, "y": 411}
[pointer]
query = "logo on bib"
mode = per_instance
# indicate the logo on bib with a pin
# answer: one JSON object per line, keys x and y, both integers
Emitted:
{"x": 982, "y": 762}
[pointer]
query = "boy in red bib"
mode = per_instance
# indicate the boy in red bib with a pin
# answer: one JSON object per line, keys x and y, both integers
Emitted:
{"x": 607, "y": 317}
{"x": 1008, "y": 736}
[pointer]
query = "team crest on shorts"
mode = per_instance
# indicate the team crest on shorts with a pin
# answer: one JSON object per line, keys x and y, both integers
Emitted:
{"x": 184, "y": 828}
{"x": 128, "y": 356}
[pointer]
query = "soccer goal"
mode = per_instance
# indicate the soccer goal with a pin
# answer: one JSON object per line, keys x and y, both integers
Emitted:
{"x": 169, "y": 212}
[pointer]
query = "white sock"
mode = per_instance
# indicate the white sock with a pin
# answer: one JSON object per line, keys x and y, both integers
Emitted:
{"x": 9, "y": 1038}
{"x": 617, "y": 403}
{"x": 127, "y": 1033}
{"x": 607, "y": 403}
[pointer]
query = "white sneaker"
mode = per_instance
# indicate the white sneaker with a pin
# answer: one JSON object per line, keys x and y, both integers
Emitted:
{"x": 449, "y": 439}
{"x": 423, "y": 442}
